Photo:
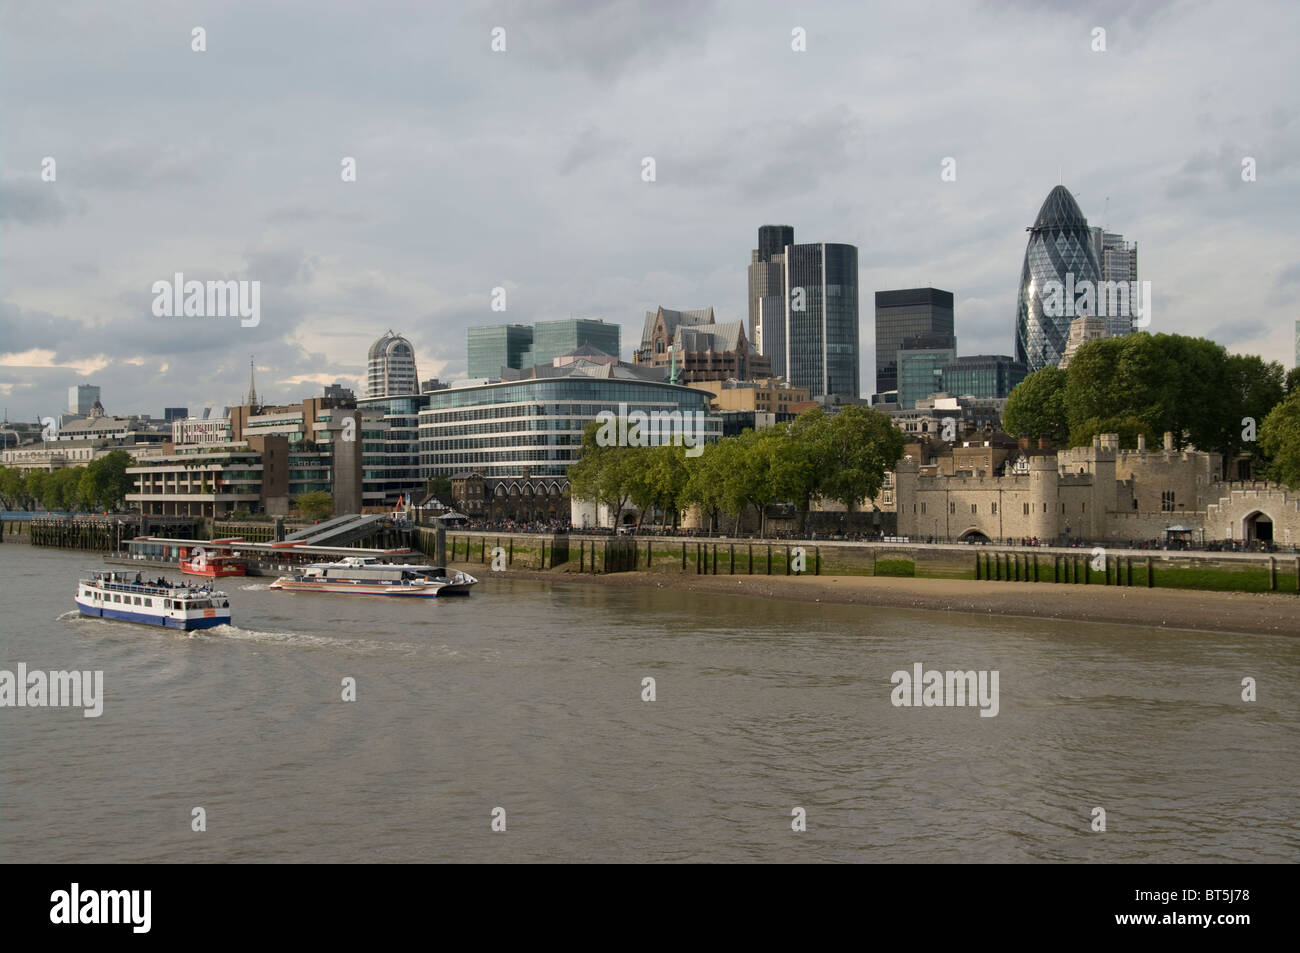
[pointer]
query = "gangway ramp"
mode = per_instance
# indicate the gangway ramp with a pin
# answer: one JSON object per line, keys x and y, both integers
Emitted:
{"x": 339, "y": 531}
{"x": 311, "y": 531}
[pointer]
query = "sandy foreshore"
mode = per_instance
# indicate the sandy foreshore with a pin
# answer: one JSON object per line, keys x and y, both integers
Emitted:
{"x": 1277, "y": 613}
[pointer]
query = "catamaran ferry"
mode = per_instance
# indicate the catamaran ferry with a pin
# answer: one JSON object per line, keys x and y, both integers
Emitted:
{"x": 116, "y": 594}
{"x": 367, "y": 576}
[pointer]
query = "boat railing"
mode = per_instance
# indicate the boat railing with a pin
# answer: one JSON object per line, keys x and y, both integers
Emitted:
{"x": 140, "y": 588}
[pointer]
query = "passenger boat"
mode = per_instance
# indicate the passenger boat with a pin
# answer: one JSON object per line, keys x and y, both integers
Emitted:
{"x": 119, "y": 594}
{"x": 214, "y": 566}
{"x": 367, "y": 576}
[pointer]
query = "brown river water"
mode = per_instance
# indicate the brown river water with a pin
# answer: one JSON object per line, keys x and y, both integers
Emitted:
{"x": 528, "y": 696}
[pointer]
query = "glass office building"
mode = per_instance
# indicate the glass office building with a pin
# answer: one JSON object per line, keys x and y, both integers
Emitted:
{"x": 537, "y": 424}
{"x": 500, "y": 345}
{"x": 921, "y": 361}
{"x": 1060, "y": 246}
{"x": 903, "y": 314}
{"x": 390, "y": 449}
{"x": 818, "y": 345}
{"x": 983, "y": 375}
{"x": 552, "y": 339}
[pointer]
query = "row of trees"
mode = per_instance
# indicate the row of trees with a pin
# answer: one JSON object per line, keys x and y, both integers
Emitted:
{"x": 840, "y": 457}
{"x": 98, "y": 486}
{"x": 1150, "y": 384}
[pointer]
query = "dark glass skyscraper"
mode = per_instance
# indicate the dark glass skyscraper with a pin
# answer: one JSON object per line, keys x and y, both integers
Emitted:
{"x": 803, "y": 312}
{"x": 1060, "y": 245}
{"x": 909, "y": 313}
{"x": 821, "y": 320}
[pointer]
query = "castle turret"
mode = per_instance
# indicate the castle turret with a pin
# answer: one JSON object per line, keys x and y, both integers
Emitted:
{"x": 1044, "y": 506}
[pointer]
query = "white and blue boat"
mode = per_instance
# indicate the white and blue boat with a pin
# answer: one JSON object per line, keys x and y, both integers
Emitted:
{"x": 119, "y": 594}
{"x": 367, "y": 576}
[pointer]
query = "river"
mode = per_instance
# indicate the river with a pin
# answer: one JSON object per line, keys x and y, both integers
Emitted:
{"x": 528, "y": 696}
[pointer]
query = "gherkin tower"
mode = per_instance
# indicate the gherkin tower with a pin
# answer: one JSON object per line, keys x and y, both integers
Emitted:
{"x": 1059, "y": 244}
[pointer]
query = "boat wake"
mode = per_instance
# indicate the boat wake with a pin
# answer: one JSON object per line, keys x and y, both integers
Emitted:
{"x": 310, "y": 640}
{"x": 256, "y": 587}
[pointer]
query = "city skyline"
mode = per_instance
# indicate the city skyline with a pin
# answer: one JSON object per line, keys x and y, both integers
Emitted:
{"x": 231, "y": 170}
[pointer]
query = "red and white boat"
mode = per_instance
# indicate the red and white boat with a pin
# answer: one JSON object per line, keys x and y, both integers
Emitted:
{"x": 214, "y": 566}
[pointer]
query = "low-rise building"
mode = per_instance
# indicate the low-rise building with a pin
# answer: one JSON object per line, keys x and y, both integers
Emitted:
{"x": 1096, "y": 494}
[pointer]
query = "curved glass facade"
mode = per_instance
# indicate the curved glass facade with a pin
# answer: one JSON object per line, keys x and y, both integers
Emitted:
{"x": 1059, "y": 245}
{"x": 538, "y": 424}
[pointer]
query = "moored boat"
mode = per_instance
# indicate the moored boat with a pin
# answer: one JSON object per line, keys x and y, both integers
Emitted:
{"x": 367, "y": 576}
{"x": 123, "y": 595}
{"x": 213, "y": 565}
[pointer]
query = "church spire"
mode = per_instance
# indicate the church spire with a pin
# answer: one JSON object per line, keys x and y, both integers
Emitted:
{"x": 251, "y": 399}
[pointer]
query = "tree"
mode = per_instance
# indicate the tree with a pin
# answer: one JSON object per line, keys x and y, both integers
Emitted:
{"x": 747, "y": 474}
{"x": 705, "y": 478}
{"x": 1293, "y": 380}
{"x": 439, "y": 486}
{"x": 666, "y": 477}
{"x": 317, "y": 505}
{"x": 1036, "y": 407}
{"x": 90, "y": 487}
{"x": 812, "y": 457}
{"x": 602, "y": 473}
{"x": 1128, "y": 427}
{"x": 13, "y": 489}
{"x": 1279, "y": 438}
{"x": 864, "y": 444}
{"x": 1253, "y": 389}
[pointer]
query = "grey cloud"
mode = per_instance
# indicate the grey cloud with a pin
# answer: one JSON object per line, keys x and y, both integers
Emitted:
{"x": 604, "y": 40}
{"x": 30, "y": 201}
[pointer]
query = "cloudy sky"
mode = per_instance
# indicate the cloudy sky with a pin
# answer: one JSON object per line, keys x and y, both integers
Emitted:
{"x": 522, "y": 169}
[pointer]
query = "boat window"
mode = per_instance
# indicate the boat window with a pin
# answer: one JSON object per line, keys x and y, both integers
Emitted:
{"x": 116, "y": 597}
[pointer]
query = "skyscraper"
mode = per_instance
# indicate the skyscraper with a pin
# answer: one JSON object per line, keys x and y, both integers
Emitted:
{"x": 903, "y": 314}
{"x": 81, "y": 398}
{"x": 821, "y": 320}
{"x": 1060, "y": 249}
{"x": 803, "y": 312}
{"x": 767, "y": 276}
{"x": 551, "y": 339}
{"x": 391, "y": 371}
{"x": 1118, "y": 261}
{"x": 491, "y": 348}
